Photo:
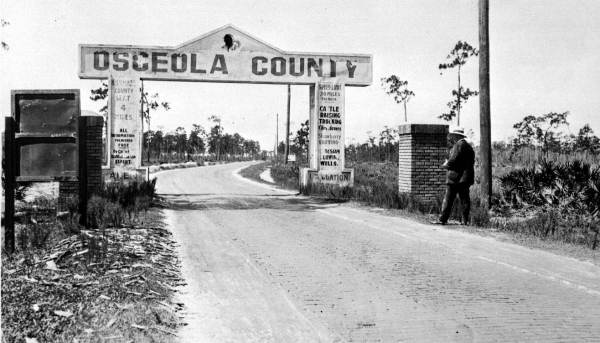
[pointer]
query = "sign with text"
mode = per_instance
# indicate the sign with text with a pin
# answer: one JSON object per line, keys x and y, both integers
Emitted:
{"x": 343, "y": 178}
{"x": 125, "y": 123}
{"x": 224, "y": 55}
{"x": 330, "y": 131}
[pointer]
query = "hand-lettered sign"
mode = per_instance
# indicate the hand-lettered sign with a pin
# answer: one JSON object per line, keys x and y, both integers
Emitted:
{"x": 125, "y": 123}
{"x": 330, "y": 132}
{"x": 224, "y": 55}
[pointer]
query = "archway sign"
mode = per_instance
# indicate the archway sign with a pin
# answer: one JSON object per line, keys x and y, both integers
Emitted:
{"x": 228, "y": 54}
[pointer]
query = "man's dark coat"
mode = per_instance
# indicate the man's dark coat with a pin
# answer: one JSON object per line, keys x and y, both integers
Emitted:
{"x": 460, "y": 164}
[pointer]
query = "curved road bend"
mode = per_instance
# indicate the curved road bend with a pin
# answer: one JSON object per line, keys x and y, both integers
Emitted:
{"x": 264, "y": 265}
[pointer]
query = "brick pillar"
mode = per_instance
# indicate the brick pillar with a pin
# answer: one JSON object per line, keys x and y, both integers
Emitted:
{"x": 90, "y": 163}
{"x": 93, "y": 152}
{"x": 421, "y": 153}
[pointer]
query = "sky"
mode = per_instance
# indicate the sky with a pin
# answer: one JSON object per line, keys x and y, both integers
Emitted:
{"x": 543, "y": 57}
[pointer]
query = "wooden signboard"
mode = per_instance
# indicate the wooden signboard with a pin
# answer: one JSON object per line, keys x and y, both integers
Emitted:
{"x": 40, "y": 144}
{"x": 223, "y": 55}
{"x": 46, "y": 134}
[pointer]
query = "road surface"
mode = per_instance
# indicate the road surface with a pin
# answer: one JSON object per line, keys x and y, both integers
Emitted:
{"x": 265, "y": 265}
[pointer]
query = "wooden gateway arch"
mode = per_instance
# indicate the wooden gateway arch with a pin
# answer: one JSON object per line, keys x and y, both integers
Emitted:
{"x": 228, "y": 54}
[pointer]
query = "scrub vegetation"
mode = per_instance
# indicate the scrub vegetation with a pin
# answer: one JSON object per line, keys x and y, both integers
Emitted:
{"x": 111, "y": 280}
{"x": 546, "y": 183}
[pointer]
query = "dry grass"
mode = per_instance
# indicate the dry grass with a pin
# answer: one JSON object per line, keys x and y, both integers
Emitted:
{"x": 115, "y": 284}
{"x": 376, "y": 185}
{"x": 253, "y": 172}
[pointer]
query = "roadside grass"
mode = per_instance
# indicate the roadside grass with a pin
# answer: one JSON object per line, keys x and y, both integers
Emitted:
{"x": 376, "y": 185}
{"x": 102, "y": 283}
{"x": 286, "y": 175}
{"x": 576, "y": 251}
{"x": 253, "y": 171}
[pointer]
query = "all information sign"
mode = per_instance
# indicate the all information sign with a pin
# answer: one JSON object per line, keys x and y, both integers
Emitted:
{"x": 125, "y": 123}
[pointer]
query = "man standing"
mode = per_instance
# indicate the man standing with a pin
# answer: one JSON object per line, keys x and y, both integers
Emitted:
{"x": 459, "y": 175}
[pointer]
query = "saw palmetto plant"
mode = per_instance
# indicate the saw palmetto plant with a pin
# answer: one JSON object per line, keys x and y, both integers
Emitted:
{"x": 570, "y": 189}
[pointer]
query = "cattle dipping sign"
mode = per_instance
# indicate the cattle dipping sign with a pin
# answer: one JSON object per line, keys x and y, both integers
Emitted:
{"x": 125, "y": 123}
{"x": 228, "y": 54}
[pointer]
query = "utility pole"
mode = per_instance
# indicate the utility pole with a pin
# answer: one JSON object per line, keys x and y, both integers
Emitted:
{"x": 287, "y": 126}
{"x": 276, "y": 136}
{"x": 485, "y": 144}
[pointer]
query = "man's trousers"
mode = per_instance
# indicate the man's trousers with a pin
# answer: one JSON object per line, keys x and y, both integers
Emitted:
{"x": 462, "y": 189}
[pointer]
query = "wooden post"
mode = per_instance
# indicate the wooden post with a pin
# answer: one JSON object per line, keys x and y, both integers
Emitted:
{"x": 287, "y": 126}
{"x": 82, "y": 174}
{"x": 485, "y": 144}
{"x": 10, "y": 161}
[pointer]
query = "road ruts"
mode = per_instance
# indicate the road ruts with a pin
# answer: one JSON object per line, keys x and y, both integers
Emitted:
{"x": 361, "y": 276}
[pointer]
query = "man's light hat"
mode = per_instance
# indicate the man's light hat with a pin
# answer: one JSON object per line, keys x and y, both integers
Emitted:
{"x": 457, "y": 131}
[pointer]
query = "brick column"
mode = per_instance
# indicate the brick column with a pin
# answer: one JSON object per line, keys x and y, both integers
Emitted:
{"x": 421, "y": 153}
{"x": 93, "y": 152}
{"x": 90, "y": 163}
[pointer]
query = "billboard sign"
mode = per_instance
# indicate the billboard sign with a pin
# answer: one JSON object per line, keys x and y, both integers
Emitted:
{"x": 224, "y": 55}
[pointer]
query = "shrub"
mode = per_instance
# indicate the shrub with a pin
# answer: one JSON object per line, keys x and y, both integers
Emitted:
{"x": 286, "y": 175}
{"x": 115, "y": 215}
{"x": 33, "y": 234}
{"x": 132, "y": 195}
{"x": 96, "y": 208}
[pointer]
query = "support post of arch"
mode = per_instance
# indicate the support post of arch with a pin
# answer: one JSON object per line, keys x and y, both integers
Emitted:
{"x": 125, "y": 127}
{"x": 327, "y": 137}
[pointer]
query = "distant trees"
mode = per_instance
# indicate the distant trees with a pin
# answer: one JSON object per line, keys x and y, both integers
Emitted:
{"x": 151, "y": 103}
{"x": 547, "y": 133}
{"x": 586, "y": 140}
{"x": 221, "y": 143}
{"x": 215, "y": 136}
{"x": 536, "y": 137}
{"x": 399, "y": 90}
{"x": 458, "y": 57}
{"x": 541, "y": 131}
{"x": 381, "y": 148}
{"x": 178, "y": 146}
{"x": 300, "y": 141}
{"x": 196, "y": 141}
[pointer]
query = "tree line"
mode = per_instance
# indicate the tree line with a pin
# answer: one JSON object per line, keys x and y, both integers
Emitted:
{"x": 179, "y": 145}
{"x": 545, "y": 133}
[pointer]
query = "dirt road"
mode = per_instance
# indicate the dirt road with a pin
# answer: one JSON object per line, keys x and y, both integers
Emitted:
{"x": 264, "y": 265}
